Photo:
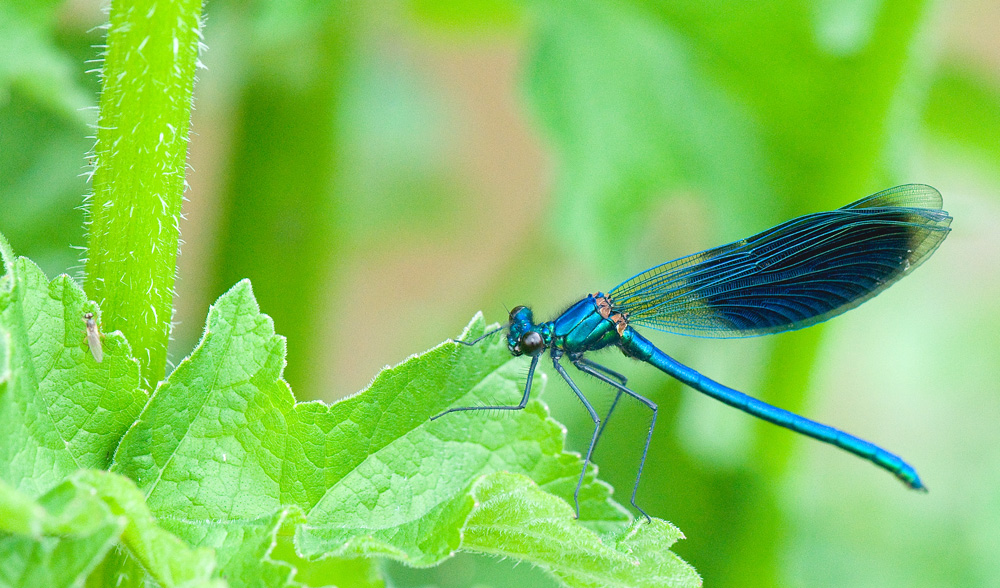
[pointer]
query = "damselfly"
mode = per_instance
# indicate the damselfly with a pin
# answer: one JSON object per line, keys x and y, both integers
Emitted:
{"x": 799, "y": 273}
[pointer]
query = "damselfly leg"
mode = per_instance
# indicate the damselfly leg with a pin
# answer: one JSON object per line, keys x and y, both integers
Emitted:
{"x": 591, "y": 368}
{"x": 523, "y": 403}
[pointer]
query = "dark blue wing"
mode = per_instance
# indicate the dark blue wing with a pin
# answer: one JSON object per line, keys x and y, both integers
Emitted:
{"x": 794, "y": 275}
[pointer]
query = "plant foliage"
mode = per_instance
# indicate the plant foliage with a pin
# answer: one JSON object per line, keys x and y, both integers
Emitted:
{"x": 222, "y": 475}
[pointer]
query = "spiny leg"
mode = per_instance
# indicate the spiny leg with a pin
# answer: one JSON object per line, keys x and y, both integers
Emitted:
{"x": 481, "y": 337}
{"x": 524, "y": 399}
{"x": 649, "y": 436}
{"x": 605, "y": 370}
{"x": 610, "y": 373}
{"x": 593, "y": 439}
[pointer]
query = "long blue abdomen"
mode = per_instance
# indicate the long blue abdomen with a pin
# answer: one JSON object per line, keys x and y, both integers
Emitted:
{"x": 637, "y": 346}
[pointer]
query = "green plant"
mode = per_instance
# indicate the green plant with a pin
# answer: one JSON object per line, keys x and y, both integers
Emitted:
{"x": 113, "y": 475}
{"x": 672, "y": 126}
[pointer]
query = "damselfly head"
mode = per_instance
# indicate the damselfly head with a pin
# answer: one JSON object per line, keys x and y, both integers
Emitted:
{"x": 523, "y": 337}
{"x": 519, "y": 314}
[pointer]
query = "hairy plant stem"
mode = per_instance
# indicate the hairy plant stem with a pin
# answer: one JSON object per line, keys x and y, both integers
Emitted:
{"x": 139, "y": 166}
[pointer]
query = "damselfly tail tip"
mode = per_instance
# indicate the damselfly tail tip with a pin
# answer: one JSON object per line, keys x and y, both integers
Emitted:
{"x": 913, "y": 481}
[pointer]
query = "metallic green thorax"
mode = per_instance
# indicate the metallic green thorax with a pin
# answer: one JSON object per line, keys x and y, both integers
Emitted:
{"x": 585, "y": 326}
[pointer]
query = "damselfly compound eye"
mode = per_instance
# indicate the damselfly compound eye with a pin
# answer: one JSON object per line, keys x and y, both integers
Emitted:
{"x": 531, "y": 343}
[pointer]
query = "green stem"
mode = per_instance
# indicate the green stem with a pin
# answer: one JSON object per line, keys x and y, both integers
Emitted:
{"x": 280, "y": 207}
{"x": 140, "y": 155}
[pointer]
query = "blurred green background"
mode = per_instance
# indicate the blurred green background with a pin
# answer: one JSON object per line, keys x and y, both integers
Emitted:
{"x": 382, "y": 170}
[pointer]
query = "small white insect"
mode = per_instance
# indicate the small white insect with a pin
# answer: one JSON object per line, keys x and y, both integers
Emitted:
{"x": 93, "y": 337}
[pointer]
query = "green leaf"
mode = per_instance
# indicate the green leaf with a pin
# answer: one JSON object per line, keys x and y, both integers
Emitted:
{"x": 513, "y": 517}
{"x": 330, "y": 571}
{"x": 62, "y": 411}
{"x": 222, "y": 444}
{"x": 163, "y": 555}
{"x": 243, "y": 549}
{"x": 261, "y": 553}
{"x": 60, "y": 539}
{"x": 55, "y": 541}
{"x": 631, "y": 116}
{"x": 757, "y": 107}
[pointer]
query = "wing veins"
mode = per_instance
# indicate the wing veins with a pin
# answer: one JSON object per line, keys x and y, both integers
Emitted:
{"x": 826, "y": 263}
